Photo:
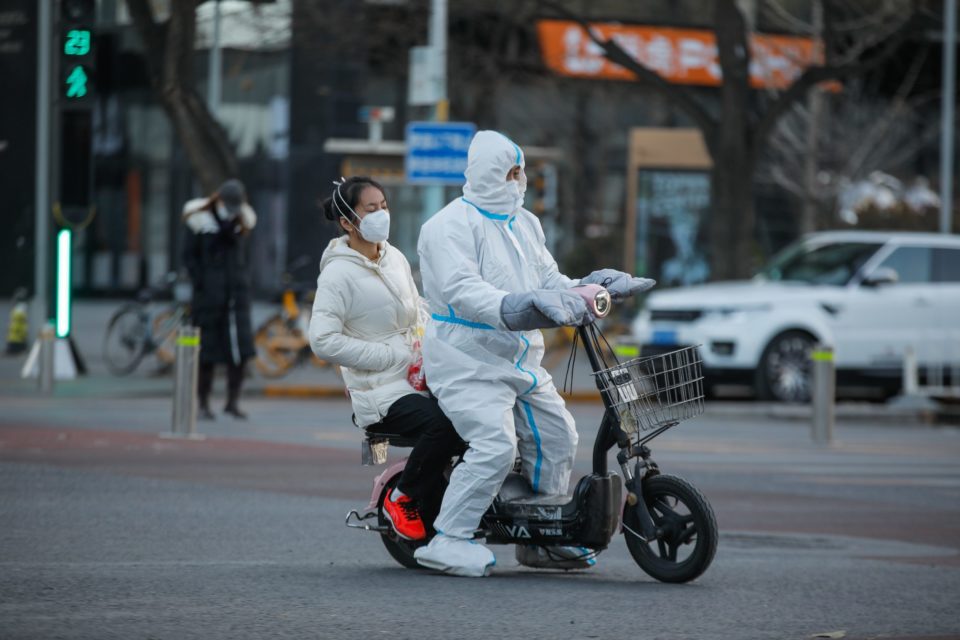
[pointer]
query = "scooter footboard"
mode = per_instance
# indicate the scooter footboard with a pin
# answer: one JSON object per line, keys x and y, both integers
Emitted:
{"x": 530, "y": 524}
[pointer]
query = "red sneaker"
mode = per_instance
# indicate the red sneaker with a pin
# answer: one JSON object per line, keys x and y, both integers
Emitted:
{"x": 404, "y": 516}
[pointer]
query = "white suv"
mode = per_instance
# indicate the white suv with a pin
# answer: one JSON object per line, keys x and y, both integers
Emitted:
{"x": 870, "y": 295}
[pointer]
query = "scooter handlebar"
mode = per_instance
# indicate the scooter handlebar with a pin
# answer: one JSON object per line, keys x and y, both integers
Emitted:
{"x": 597, "y": 298}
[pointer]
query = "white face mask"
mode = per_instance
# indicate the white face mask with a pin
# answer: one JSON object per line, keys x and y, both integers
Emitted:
{"x": 522, "y": 183}
{"x": 513, "y": 189}
{"x": 375, "y": 227}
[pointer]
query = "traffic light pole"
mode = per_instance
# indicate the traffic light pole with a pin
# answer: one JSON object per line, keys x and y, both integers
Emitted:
{"x": 946, "y": 114}
{"x": 52, "y": 279}
{"x": 40, "y": 303}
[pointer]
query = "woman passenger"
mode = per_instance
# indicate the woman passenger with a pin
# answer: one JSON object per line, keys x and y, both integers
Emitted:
{"x": 367, "y": 319}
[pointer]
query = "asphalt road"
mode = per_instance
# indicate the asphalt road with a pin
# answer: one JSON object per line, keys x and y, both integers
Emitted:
{"x": 109, "y": 531}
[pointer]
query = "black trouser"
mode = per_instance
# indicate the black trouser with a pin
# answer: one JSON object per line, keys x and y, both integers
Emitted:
{"x": 205, "y": 382}
{"x": 415, "y": 416}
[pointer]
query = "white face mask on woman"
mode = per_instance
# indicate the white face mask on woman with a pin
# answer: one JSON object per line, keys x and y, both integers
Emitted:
{"x": 375, "y": 227}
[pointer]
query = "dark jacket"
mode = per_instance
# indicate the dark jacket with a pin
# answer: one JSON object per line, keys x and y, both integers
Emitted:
{"x": 215, "y": 254}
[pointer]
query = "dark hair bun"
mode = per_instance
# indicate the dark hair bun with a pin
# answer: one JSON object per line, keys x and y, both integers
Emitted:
{"x": 348, "y": 196}
{"x": 328, "y": 211}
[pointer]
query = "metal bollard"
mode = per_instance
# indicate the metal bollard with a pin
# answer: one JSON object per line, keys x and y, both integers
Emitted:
{"x": 911, "y": 378}
{"x": 48, "y": 341}
{"x": 186, "y": 366}
{"x": 824, "y": 393}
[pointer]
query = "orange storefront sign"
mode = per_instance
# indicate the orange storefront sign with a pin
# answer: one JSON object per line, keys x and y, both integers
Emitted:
{"x": 682, "y": 56}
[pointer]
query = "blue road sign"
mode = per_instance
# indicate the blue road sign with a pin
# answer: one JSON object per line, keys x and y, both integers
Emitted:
{"x": 437, "y": 151}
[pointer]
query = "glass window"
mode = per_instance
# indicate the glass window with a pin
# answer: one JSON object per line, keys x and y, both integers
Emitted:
{"x": 832, "y": 263}
{"x": 912, "y": 264}
{"x": 946, "y": 265}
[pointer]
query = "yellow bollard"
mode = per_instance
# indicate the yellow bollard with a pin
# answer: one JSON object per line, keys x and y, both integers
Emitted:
{"x": 18, "y": 329}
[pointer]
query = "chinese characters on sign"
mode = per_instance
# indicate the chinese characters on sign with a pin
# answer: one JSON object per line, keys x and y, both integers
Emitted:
{"x": 682, "y": 56}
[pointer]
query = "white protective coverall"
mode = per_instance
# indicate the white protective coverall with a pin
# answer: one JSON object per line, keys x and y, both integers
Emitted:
{"x": 487, "y": 378}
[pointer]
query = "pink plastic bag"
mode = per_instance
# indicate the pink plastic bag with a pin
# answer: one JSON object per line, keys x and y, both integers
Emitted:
{"x": 415, "y": 374}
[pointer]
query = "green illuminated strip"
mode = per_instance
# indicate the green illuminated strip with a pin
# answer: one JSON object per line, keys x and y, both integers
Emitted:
{"x": 189, "y": 341}
{"x": 822, "y": 356}
{"x": 63, "y": 282}
{"x": 627, "y": 351}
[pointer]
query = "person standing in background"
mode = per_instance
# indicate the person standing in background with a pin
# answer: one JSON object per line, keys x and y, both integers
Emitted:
{"x": 216, "y": 256}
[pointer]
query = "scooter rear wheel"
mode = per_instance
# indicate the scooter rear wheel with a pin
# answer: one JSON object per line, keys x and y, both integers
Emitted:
{"x": 689, "y": 530}
{"x": 399, "y": 548}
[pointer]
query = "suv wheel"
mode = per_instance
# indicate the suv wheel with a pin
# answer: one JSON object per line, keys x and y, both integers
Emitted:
{"x": 785, "y": 372}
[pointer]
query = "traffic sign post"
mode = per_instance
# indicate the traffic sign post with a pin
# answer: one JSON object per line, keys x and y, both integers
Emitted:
{"x": 437, "y": 152}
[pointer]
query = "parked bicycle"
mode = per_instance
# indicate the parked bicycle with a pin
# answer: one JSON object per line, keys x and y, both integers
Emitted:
{"x": 282, "y": 339}
{"x": 138, "y": 329}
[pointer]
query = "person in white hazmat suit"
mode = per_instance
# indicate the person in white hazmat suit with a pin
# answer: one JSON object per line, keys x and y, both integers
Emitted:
{"x": 485, "y": 272}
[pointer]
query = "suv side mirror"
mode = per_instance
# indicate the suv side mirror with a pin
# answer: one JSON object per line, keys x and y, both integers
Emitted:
{"x": 881, "y": 276}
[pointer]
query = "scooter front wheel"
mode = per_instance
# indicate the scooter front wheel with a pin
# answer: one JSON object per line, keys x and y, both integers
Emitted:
{"x": 688, "y": 530}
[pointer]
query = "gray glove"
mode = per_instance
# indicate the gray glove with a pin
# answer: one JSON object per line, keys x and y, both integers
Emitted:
{"x": 620, "y": 285}
{"x": 543, "y": 309}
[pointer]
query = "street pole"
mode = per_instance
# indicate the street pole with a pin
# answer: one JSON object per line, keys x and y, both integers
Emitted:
{"x": 438, "y": 43}
{"x": 437, "y": 40}
{"x": 215, "y": 65}
{"x": 39, "y": 304}
{"x": 947, "y": 100}
{"x": 811, "y": 163}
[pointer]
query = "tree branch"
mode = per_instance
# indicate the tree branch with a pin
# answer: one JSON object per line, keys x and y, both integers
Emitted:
{"x": 617, "y": 55}
{"x": 882, "y": 126}
{"x": 733, "y": 53}
{"x": 813, "y": 76}
{"x": 170, "y": 58}
{"x": 141, "y": 12}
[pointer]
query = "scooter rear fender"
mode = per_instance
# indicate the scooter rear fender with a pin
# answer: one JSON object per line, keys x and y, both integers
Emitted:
{"x": 381, "y": 481}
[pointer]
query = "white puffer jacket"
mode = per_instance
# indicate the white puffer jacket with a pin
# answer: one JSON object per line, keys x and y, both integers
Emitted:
{"x": 366, "y": 318}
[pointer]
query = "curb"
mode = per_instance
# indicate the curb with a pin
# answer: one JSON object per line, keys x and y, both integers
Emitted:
{"x": 842, "y": 412}
{"x": 302, "y": 391}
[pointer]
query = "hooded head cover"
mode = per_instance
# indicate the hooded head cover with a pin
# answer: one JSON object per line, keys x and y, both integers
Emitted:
{"x": 489, "y": 159}
{"x": 232, "y": 195}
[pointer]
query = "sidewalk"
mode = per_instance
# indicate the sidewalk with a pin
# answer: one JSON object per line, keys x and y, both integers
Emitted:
{"x": 90, "y": 318}
{"x": 306, "y": 381}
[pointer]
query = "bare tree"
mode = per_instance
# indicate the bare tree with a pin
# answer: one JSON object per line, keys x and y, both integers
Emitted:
{"x": 857, "y": 36}
{"x": 169, "y": 53}
{"x": 856, "y": 137}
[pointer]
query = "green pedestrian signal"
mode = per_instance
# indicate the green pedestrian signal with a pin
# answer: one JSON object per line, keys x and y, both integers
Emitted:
{"x": 77, "y": 82}
{"x": 77, "y": 42}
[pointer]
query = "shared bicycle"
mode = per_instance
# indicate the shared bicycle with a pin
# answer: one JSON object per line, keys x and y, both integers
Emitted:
{"x": 141, "y": 328}
{"x": 282, "y": 340}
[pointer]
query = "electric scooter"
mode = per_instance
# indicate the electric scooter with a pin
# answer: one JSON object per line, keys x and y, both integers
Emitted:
{"x": 670, "y": 528}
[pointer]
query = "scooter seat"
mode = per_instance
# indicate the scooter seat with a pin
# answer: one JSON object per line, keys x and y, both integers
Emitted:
{"x": 516, "y": 490}
{"x": 392, "y": 439}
